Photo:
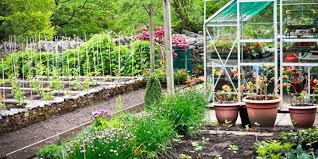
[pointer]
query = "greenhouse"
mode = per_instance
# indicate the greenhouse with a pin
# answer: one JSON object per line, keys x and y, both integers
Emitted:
{"x": 277, "y": 34}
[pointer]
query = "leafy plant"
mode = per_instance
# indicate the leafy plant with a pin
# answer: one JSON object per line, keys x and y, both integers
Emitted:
{"x": 307, "y": 138}
{"x": 46, "y": 95}
{"x": 272, "y": 149}
{"x": 51, "y": 152}
{"x": 111, "y": 144}
{"x": 180, "y": 76}
{"x": 151, "y": 136}
{"x": 185, "y": 110}
{"x": 196, "y": 146}
{"x": 153, "y": 91}
{"x": 226, "y": 95}
{"x": 233, "y": 148}
{"x": 17, "y": 92}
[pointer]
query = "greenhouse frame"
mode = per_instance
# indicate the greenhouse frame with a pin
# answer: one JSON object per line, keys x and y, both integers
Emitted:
{"x": 282, "y": 36}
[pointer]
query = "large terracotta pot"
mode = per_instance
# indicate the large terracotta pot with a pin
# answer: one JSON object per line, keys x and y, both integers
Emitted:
{"x": 262, "y": 112}
{"x": 303, "y": 117}
{"x": 226, "y": 113}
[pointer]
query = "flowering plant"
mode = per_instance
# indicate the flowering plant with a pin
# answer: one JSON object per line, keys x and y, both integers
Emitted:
{"x": 179, "y": 41}
{"x": 100, "y": 113}
{"x": 258, "y": 88}
{"x": 226, "y": 95}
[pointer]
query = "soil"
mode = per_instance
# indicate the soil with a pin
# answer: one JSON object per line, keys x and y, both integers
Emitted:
{"x": 217, "y": 145}
{"x": 57, "y": 124}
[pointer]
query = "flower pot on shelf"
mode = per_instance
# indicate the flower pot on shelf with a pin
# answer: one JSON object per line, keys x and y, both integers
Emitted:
{"x": 262, "y": 113}
{"x": 226, "y": 113}
{"x": 244, "y": 116}
{"x": 303, "y": 116}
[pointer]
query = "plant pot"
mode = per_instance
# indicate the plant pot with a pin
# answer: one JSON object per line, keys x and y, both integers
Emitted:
{"x": 303, "y": 116}
{"x": 226, "y": 113}
{"x": 244, "y": 116}
{"x": 262, "y": 112}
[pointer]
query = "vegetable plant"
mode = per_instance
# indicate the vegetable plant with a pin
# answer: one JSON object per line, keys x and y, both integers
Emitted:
{"x": 17, "y": 92}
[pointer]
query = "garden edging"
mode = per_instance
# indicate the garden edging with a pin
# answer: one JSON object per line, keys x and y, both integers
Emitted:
{"x": 42, "y": 111}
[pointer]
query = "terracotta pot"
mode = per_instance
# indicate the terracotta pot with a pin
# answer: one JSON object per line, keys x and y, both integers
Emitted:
{"x": 226, "y": 112}
{"x": 303, "y": 117}
{"x": 263, "y": 112}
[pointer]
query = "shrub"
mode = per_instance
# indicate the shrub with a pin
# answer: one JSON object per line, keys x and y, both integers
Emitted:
{"x": 185, "y": 110}
{"x": 153, "y": 91}
{"x": 180, "y": 76}
{"x": 151, "y": 135}
{"x": 51, "y": 152}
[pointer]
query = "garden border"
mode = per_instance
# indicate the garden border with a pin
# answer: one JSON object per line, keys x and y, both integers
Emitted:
{"x": 66, "y": 104}
{"x": 30, "y": 150}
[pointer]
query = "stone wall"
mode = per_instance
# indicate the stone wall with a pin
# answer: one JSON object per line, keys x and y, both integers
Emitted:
{"x": 67, "y": 104}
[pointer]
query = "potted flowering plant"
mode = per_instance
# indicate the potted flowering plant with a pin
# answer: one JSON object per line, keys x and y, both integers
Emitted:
{"x": 302, "y": 110}
{"x": 262, "y": 106}
{"x": 227, "y": 105}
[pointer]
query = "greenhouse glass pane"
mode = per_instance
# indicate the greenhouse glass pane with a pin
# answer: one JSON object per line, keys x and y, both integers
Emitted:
{"x": 248, "y": 10}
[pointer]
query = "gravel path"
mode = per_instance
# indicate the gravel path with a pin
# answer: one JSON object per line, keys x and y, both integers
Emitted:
{"x": 57, "y": 124}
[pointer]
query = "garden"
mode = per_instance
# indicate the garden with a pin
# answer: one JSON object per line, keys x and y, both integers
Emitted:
{"x": 140, "y": 79}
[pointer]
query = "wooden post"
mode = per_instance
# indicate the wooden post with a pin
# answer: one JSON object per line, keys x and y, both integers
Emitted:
{"x": 152, "y": 39}
{"x": 168, "y": 47}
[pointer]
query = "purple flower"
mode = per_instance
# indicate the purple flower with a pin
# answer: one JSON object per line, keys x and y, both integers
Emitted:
{"x": 99, "y": 113}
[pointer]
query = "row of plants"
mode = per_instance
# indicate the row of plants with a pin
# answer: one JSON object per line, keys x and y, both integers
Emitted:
{"x": 149, "y": 135}
{"x": 302, "y": 144}
{"x": 99, "y": 55}
{"x": 261, "y": 103}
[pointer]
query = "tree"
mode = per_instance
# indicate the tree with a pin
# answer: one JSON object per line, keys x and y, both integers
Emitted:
{"x": 27, "y": 18}
{"x": 168, "y": 47}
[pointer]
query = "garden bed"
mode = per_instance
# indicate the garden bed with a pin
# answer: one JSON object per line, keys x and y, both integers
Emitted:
{"x": 224, "y": 142}
{"x": 33, "y": 111}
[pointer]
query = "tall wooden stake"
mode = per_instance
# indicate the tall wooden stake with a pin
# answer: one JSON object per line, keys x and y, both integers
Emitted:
{"x": 152, "y": 39}
{"x": 168, "y": 47}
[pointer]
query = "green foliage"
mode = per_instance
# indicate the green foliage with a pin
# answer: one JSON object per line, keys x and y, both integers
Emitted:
{"x": 98, "y": 56}
{"x": 46, "y": 95}
{"x": 277, "y": 150}
{"x": 151, "y": 136}
{"x": 307, "y": 138}
{"x": 185, "y": 110}
{"x": 110, "y": 144}
{"x": 272, "y": 149}
{"x": 153, "y": 91}
{"x": 140, "y": 57}
{"x": 180, "y": 76}
{"x": 17, "y": 92}
{"x": 51, "y": 152}
{"x": 145, "y": 136}
{"x": 27, "y": 18}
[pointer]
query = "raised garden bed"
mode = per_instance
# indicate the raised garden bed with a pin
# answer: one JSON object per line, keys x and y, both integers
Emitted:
{"x": 67, "y": 99}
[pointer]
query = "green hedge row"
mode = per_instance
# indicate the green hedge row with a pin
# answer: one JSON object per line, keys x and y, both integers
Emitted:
{"x": 129, "y": 136}
{"x": 99, "y": 56}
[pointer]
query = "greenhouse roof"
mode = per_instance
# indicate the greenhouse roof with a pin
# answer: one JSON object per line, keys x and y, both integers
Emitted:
{"x": 228, "y": 14}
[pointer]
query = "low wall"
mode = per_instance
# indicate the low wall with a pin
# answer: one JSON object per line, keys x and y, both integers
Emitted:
{"x": 65, "y": 104}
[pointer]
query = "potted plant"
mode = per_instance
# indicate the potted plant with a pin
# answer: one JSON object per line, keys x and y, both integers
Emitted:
{"x": 302, "y": 110}
{"x": 262, "y": 107}
{"x": 227, "y": 105}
